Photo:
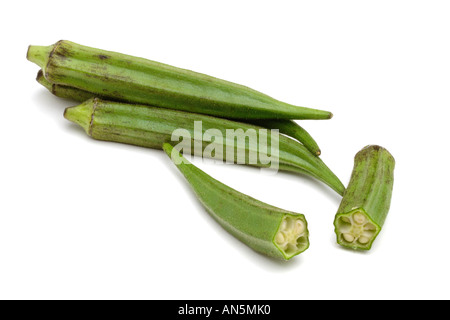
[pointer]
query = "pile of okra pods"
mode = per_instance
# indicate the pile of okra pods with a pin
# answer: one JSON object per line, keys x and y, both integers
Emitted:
{"x": 142, "y": 102}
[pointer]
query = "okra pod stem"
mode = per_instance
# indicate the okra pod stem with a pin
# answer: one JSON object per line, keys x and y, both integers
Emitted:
{"x": 367, "y": 199}
{"x": 287, "y": 127}
{"x": 151, "y": 127}
{"x": 266, "y": 229}
{"x": 131, "y": 79}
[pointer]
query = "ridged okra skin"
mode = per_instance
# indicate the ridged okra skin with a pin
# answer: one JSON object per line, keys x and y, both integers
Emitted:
{"x": 293, "y": 130}
{"x": 131, "y": 79}
{"x": 367, "y": 199}
{"x": 63, "y": 91}
{"x": 152, "y": 127}
{"x": 287, "y": 127}
{"x": 266, "y": 229}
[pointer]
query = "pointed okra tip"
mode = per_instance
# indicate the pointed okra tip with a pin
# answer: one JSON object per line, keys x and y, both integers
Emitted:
{"x": 355, "y": 229}
{"x": 82, "y": 114}
{"x": 292, "y": 236}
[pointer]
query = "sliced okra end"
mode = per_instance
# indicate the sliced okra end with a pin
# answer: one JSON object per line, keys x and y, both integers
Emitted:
{"x": 355, "y": 229}
{"x": 292, "y": 236}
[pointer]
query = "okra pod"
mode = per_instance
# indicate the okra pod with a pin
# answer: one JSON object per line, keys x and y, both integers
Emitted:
{"x": 287, "y": 127}
{"x": 293, "y": 130}
{"x": 367, "y": 199}
{"x": 266, "y": 229}
{"x": 131, "y": 79}
{"x": 151, "y": 127}
{"x": 63, "y": 91}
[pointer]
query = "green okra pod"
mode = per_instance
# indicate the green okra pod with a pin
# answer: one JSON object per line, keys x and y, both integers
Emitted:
{"x": 131, "y": 79}
{"x": 151, "y": 127}
{"x": 367, "y": 199}
{"x": 63, "y": 91}
{"x": 291, "y": 129}
{"x": 287, "y": 127}
{"x": 266, "y": 229}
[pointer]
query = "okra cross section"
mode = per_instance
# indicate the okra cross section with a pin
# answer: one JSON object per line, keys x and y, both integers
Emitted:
{"x": 356, "y": 229}
{"x": 367, "y": 199}
{"x": 291, "y": 236}
{"x": 266, "y": 229}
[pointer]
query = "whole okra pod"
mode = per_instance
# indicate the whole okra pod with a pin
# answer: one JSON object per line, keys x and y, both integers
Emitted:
{"x": 152, "y": 127}
{"x": 126, "y": 78}
{"x": 287, "y": 127}
{"x": 367, "y": 199}
{"x": 267, "y": 229}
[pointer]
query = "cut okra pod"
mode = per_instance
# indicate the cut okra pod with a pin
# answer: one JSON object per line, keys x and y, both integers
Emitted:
{"x": 266, "y": 229}
{"x": 287, "y": 127}
{"x": 367, "y": 199}
{"x": 151, "y": 127}
{"x": 131, "y": 79}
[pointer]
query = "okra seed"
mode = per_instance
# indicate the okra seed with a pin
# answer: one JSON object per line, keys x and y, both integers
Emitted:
{"x": 348, "y": 237}
{"x": 299, "y": 227}
{"x": 369, "y": 226}
{"x": 345, "y": 219}
{"x": 280, "y": 239}
{"x": 363, "y": 240}
{"x": 359, "y": 218}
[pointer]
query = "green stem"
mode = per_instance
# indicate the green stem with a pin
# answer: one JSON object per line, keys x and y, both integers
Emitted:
{"x": 39, "y": 55}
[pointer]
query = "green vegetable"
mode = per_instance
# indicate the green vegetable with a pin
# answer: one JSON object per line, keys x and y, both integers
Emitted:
{"x": 291, "y": 129}
{"x": 63, "y": 91}
{"x": 130, "y": 79}
{"x": 269, "y": 230}
{"x": 366, "y": 201}
{"x": 287, "y": 127}
{"x": 151, "y": 127}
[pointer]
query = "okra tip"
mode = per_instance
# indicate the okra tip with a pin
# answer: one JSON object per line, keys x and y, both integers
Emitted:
{"x": 310, "y": 114}
{"x": 82, "y": 113}
{"x": 39, "y": 54}
{"x": 375, "y": 148}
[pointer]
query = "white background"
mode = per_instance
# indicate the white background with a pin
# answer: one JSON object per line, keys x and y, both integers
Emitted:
{"x": 84, "y": 219}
